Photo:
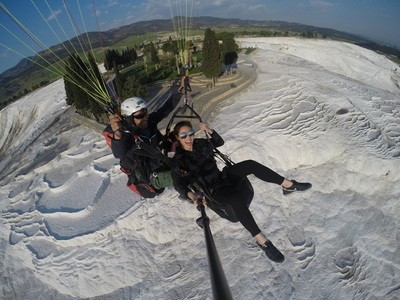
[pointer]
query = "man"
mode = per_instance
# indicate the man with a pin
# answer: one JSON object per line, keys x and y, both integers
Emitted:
{"x": 147, "y": 176}
{"x": 185, "y": 83}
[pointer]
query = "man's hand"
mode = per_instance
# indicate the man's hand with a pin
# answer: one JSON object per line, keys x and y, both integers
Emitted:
{"x": 116, "y": 126}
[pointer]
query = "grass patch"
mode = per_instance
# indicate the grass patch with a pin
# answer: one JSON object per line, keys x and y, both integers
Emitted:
{"x": 249, "y": 50}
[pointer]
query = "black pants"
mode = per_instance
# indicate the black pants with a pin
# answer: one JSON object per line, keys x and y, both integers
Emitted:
{"x": 188, "y": 87}
{"x": 230, "y": 198}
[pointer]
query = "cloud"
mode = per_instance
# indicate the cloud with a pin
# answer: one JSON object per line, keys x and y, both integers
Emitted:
{"x": 105, "y": 8}
{"x": 131, "y": 12}
{"x": 257, "y": 7}
{"x": 323, "y": 5}
{"x": 250, "y": 9}
{"x": 217, "y": 2}
{"x": 54, "y": 15}
{"x": 112, "y": 3}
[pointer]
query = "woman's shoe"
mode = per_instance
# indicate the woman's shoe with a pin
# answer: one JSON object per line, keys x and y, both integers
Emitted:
{"x": 272, "y": 252}
{"x": 296, "y": 186}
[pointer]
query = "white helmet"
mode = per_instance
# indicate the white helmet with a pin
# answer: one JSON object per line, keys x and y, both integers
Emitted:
{"x": 132, "y": 105}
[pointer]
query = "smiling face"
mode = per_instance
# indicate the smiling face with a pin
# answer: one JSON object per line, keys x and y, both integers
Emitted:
{"x": 185, "y": 137}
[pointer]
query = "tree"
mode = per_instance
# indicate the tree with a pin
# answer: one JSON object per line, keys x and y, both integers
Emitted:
{"x": 75, "y": 83}
{"x": 228, "y": 47}
{"x": 95, "y": 108}
{"x": 170, "y": 46}
{"x": 110, "y": 57}
{"x": 211, "y": 55}
{"x": 118, "y": 80}
{"x": 131, "y": 86}
{"x": 82, "y": 82}
{"x": 128, "y": 56}
{"x": 153, "y": 54}
{"x": 69, "y": 91}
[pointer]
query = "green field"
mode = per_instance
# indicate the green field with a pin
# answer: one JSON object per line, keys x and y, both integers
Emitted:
{"x": 44, "y": 75}
{"x": 164, "y": 71}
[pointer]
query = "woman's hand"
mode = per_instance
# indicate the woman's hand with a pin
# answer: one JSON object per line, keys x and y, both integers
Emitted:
{"x": 204, "y": 127}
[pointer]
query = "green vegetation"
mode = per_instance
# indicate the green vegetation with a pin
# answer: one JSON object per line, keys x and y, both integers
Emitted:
{"x": 212, "y": 55}
{"x": 154, "y": 66}
{"x": 146, "y": 69}
{"x": 249, "y": 50}
{"x": 114, "y": 57}
{"x": 39, "y": 76}
{"x": 82, "y": 81}
{"x": 228, "y": 47}
{"x": 138, "y": 40}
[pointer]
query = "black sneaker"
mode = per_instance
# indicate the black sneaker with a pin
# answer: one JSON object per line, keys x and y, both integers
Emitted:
{"x": 296, "y": 186}
{"x": 272, "y": 252}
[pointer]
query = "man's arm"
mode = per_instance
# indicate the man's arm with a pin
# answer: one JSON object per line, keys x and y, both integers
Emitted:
{"x": 119, "y": 144}
{"x": 121, "y": 147}
{"x": 119, "y": 140}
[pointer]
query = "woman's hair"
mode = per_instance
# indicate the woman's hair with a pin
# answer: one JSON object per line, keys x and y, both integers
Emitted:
{"x": 180, "y": 124}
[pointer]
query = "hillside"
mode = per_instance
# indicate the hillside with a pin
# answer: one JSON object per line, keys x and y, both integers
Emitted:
{"x": 16, "y": 79}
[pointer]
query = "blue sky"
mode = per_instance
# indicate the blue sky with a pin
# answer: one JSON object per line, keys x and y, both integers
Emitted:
{"x": 376, "y": 19}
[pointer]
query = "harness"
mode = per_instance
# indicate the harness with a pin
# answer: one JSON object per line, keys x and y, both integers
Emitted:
{"x": 141, "y": 148}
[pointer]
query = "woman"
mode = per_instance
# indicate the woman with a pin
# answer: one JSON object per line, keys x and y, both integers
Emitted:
{"x": 197, "y": 164}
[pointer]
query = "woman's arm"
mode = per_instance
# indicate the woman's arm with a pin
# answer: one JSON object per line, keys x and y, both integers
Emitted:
{"x": 216, "y": 139}
{"x": 181, "y": 182}
{"x": 181, "y": 185}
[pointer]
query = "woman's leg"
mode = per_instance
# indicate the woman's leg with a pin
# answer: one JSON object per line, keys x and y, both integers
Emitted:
{"x": 245, "y": 218}
{"x": 228, "y": 196}
{"x": 262, "y": 172}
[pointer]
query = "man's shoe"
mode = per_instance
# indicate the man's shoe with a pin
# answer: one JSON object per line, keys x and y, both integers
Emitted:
{"x": 296, "y": 186}
{"x": 272, "y": 252}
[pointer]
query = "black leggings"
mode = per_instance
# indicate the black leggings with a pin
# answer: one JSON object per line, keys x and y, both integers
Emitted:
{"x": 228, "y": 194}
{"x": 247, "y": 167}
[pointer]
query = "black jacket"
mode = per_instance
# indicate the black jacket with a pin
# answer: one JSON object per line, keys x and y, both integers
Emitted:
{"x": 139, "y": 167}
{"x": 151, "y": 136}
{"x": 199, "y": 165}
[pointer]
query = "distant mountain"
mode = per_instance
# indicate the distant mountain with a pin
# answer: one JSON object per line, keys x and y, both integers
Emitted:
{"x": 10, "y": 79}
{"x": 95, "y": 39}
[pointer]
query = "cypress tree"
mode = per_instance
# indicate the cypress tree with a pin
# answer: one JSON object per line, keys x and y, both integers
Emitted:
{"x": 75, "y": 73}
{"x": 228, "y": 48}
{"x": 79, "y": 81}
{"x": 131, "y": 86}
{"x": 211, "y": 55}
{"x": 95, "y": 107}
{"x": 69, "y": 91}
{"x": 153, "y": 54}
{"x": 119, "y": 81}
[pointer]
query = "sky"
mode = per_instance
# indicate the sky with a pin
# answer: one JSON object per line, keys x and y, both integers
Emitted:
{"x": 375, "y": 19}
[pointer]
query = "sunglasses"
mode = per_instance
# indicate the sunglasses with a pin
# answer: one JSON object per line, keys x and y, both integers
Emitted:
{"x": 141, "y": 115}
{"x": 184, "y": 135}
